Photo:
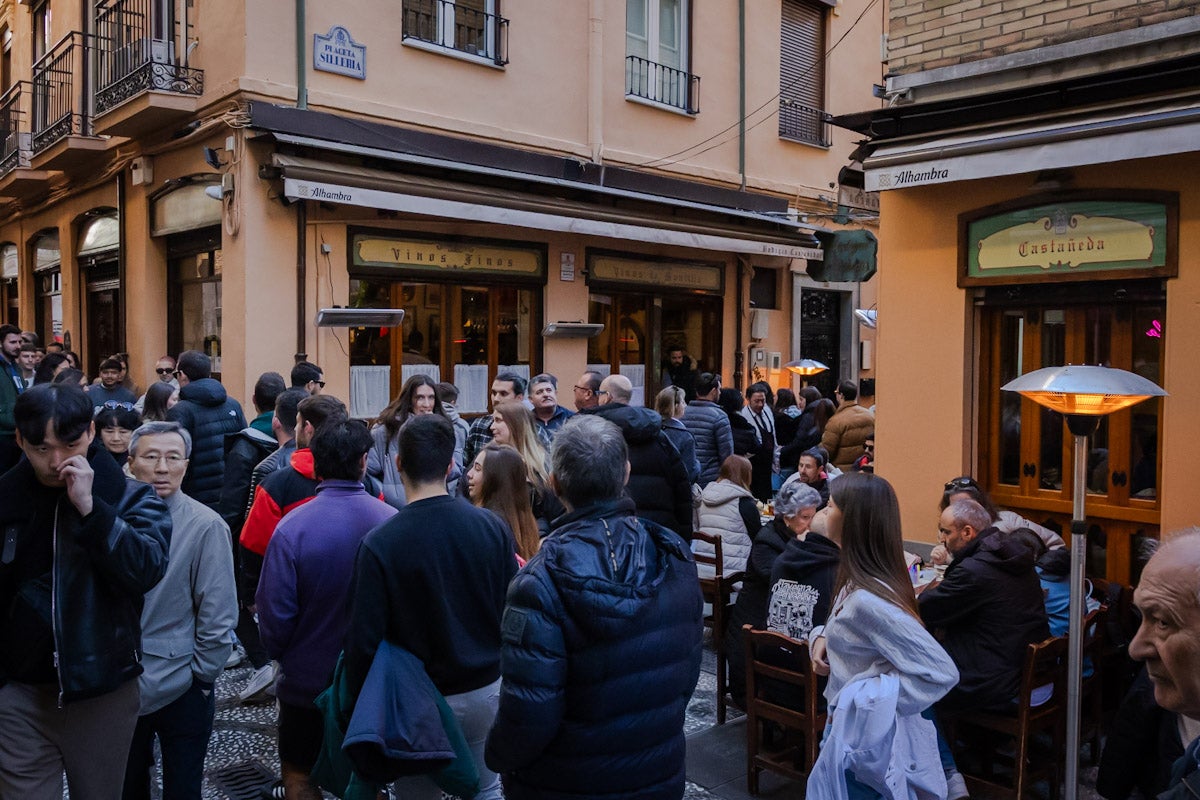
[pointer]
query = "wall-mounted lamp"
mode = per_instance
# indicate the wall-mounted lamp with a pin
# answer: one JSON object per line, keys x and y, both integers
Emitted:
{"x": 572, "y": 330}
{"x": 867, "y": 317}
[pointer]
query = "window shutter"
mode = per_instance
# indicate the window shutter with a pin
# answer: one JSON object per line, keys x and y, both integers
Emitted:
{"x": 802, "y": 52}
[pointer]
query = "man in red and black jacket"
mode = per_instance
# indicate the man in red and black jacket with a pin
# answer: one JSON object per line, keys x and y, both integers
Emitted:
{"x": 286, "y": 489}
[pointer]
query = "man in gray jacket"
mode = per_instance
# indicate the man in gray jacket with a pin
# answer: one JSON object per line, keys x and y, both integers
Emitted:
{"x": 709, "y": 425}
{"x": 187, "y": 623}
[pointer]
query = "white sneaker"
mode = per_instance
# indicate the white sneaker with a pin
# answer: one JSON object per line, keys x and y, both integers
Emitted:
{"x": 236, "y": 656}
{"x": 261, "y": 684}
{"x": 956, "y": 787}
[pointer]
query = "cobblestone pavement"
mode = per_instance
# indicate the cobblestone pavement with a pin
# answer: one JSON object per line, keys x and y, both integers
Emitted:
{"x": 243, "y": 733}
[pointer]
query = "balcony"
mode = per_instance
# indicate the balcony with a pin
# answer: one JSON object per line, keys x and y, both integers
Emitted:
{"x": 662, "y": 85}
{"x": 62, "y": 128}
{"x": 454, "y": 28}
{"x": 801, "y": 123}
{"x": 17, "y": 179}
{"x": 141, "y": 84}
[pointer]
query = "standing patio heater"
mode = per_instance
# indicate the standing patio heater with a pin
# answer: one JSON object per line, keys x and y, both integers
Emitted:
{"x": 1083, "y": 395}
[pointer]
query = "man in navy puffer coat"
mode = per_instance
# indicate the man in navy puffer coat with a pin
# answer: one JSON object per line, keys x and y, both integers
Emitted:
{"x": 208, "y": 414}
{"x": 601, "y": 641}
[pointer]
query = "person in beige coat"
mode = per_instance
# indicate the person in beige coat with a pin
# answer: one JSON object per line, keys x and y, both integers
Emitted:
{"x": 848, "y": 428}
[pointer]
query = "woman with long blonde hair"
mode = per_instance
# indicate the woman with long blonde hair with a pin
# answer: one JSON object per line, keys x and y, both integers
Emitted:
{"x": 513, "y": 425}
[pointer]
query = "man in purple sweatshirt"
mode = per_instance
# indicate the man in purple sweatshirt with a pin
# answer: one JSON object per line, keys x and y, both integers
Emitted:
{"x": 303, "y": 595}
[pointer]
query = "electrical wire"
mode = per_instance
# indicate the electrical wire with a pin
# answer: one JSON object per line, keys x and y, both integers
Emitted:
{"x": 667, "y": 160}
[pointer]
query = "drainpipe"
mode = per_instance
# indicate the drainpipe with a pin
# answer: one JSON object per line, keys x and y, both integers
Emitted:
{"x": 596, "y": 79}
{"x": 742, "y": 91}
{"x": 301, "y": 57}
{"x": 301, "y": 274}
{"x": 739, "y": 355}
{"x": 122, "y": 255}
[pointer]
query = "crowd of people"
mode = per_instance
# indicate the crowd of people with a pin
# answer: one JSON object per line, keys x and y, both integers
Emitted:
{"x": 502, "y": 608}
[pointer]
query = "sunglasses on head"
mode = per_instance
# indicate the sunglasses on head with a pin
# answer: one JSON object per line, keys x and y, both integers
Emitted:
{"x": 961, "y": 483}
{"x": 113, "y": 405}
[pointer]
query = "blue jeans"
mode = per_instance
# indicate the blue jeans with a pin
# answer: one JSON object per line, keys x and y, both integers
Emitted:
{"x": 944, "y": 752}
{"x": 183, "y": 727}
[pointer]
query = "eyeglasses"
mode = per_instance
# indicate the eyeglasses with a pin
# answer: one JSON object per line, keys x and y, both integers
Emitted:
{"x": 154, "y": 458}
{"x": 602, "y": 391}
{"x": 319, "y": 383}
{"x": 583, "y": 389}
{"x": 164, "y": 370}
{"x": 961, "y": 483}
{"x": 112, "y": 405}
{"x": 176, "y": 372}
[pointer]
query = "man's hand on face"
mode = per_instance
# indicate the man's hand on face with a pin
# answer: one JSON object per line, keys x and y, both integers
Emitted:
{"x": 77, "y": 473}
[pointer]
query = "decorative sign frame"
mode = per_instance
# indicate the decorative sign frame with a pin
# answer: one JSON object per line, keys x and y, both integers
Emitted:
{"x": 1077, "y": 236}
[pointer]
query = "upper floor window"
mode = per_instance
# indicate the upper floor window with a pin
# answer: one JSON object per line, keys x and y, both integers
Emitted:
{"x": 802, "y": 116}
{"x": 656, "y": 53}
{"x": 41, "y": 29}
{"x": 470, "y": 27}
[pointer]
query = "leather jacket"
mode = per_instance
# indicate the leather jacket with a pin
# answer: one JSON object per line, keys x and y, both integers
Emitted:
{"x": 102, "y": 567}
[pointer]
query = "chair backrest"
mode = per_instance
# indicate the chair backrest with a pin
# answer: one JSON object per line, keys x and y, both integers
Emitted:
{"x": 715, "y": 559}
{"x": 773, "y": 657}
{"x": 1045, "y": 666}
{"x": 1095, "y": 635}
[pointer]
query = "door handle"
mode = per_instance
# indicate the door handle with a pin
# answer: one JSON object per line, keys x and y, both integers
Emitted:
{"x": 1119, "y": 479}
{"x": 1029, "y": 470}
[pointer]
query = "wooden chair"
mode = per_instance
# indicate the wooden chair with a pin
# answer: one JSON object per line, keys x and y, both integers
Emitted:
{"x": 717, "y": 591}
{"x": 1045, "y": 665}
{"x": 793, "y": 752}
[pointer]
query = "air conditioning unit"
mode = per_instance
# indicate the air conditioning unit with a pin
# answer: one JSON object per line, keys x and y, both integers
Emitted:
{"x": 144, "y": 51}
{"x": 760, "y": 324}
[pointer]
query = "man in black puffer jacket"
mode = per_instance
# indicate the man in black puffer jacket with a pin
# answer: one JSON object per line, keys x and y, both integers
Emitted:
{"x": 601, "y": 641}
{"x": 208, "y": 414}
{"x": 658, "y": 482}
{"x": 986, "y": 609}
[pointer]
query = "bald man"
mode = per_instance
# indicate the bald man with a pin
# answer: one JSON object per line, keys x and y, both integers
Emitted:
{"x": 1169, "y": 642}
{"x": 658, "y": 482}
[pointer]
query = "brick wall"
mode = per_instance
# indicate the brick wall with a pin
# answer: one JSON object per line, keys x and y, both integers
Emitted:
{"x": 926, "y": 34}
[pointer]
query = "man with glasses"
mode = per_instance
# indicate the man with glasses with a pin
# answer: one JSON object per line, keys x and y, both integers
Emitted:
{"x": 109, "y": 388}
{"x": 587, "y": 390}
{"x": 187, "y": 623}
{"x": 164, "y": 370}
{"x": 308, "y": 376}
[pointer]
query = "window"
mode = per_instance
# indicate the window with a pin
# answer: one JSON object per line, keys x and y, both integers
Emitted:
{"x": 764, "y": 288}
{"x": 470, "y": 27}
{"x": 802, "y": 73}
{"x": 41, "y": 30}
{"x": 194, "y": 307}
{"x": 656, "y": 54}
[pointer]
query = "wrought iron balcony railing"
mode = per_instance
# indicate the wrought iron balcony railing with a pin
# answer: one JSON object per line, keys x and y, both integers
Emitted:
{"x": 662, "y": 84}
{"x": 801, "y": 123}
{"x": 15, "y": 140}
{"x": 136, "y": 53}
{"x": 455, "y": 26}
{"x": 60, "y": 101}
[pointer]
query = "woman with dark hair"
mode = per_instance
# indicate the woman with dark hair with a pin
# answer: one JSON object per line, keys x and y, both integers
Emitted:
{"x": 73, "y": 357}
{"x": 966, "y": 488}
{"x": 879, "y": 658}
{"x": 417, "y": 396}
{"x": 513, "y": 425}
{"x": 499, "y": 482}
{"x": 788, "y": 410}
{"x": 115, "y": 423}
{"x": 160, "y": 397}
{"x": 810, "y": 425}
{"x": 745, "y": 443}
{"x": 728, "y": 510}
{"x": 71, "y": 375}
{"x": 50, "y": 365}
